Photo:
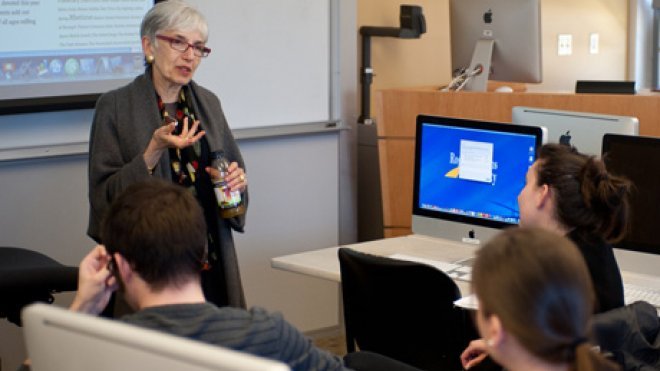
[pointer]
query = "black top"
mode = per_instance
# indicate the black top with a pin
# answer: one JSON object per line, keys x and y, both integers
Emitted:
{"x": 603, "y": 269}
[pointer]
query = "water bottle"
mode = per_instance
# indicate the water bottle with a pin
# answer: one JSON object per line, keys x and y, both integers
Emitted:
{"x": 229, "y": 201}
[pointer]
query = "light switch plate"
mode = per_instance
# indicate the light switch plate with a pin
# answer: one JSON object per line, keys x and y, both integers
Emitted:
{"x": 594, "y": 41}
{"x": 565, "y": 44}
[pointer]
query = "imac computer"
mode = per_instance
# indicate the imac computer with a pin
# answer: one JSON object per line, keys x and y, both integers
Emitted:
{"x": 583, "y": 130}
{"x": 59, "y": 339}
{"x": 638, "y": 159}
{"x": 497, "y": 40}
{"x": 468, "y": 175}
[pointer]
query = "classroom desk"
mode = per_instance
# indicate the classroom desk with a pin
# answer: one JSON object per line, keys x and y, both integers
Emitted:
{"x": 324, "y": 263}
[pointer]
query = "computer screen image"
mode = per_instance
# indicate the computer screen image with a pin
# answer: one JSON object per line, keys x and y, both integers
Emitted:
{"x": 638, "y": 159}
{"x": 57, "y": 54}
{"x": 502, "y": 36}
{"x": 583, "y": 130}
{"x": 468, "y": 175}
{"x": 59, "y": 339}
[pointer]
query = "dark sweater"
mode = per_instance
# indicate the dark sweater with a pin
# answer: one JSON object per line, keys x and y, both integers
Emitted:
{"x": 603, "y": 269}
{"x": 254, "y": 331}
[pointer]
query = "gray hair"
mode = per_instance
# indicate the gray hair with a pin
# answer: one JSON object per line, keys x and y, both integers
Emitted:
{"x": 173, "y": 15}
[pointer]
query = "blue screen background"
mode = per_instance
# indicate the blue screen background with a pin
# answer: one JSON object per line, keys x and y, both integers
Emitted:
{"x": 495, "y": 201}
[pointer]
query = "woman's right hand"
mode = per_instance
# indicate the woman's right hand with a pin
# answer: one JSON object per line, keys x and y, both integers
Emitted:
{"x": 474, "y": 353}
{"x": 164, "y": 137}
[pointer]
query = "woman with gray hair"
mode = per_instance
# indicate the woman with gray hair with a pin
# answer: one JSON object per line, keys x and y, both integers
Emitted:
{"x": 165, "y": 125}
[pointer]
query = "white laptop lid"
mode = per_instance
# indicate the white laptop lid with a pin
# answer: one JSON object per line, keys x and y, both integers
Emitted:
{"x": 58, "y": 339}
{"x": 583, "y": 130}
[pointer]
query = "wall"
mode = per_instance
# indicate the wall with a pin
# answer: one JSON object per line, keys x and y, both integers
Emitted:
{"x": 608, "y": 18}
{"x": 408, "y": 62}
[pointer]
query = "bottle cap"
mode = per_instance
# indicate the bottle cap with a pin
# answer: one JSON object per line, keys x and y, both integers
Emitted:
{"x": 217, "y": 154}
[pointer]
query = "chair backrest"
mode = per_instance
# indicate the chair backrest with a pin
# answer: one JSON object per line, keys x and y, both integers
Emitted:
{"x": 401, "y": 309}
{"x": 59, "y": 339}
{"x": 28, "y": 276}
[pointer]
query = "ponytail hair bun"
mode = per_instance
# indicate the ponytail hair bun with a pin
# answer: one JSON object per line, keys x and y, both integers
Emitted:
{"x": 587, "y": 196}
{"x": 607, "y": 195}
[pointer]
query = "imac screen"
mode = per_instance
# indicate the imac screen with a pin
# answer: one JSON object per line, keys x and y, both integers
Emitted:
{"x": 638, "y": 159}
{"x": 472, "y": 171}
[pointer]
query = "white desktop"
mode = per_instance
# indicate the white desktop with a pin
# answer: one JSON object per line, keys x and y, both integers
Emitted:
{"x": 58, "y": 339}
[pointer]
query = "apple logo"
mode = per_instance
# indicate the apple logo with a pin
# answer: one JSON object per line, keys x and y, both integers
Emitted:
{"x": 488, "y": 16}
{"x": 565, "y": 139}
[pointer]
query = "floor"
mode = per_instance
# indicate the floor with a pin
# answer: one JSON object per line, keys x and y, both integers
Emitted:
{"x": 333, "y": 341}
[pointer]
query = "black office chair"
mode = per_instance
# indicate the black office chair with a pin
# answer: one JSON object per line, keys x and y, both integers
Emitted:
{"x": 401, "y": 309}
{"x": 27, "y": 276}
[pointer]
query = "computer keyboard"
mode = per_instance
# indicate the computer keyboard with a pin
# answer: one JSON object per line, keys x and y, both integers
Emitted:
{"x": 456, "y": 270}
{"x": 440, "y": 265}
{"x": 633, "y": 293}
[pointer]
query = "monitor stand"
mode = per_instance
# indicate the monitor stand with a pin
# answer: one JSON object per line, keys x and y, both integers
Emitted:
{"x": 480, "y": 65}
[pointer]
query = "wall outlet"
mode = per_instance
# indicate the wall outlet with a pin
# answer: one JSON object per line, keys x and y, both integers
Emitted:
{"x": 565, "y": 44}
{"x": 594, "y": 40}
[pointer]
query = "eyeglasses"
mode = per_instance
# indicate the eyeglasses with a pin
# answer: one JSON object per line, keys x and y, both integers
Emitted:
{"x": 182, "y": 46}
{"x": 111, "y": 265}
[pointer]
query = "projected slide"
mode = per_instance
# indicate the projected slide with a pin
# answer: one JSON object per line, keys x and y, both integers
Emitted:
{"x": 474, "y": 172}
{"x": 80, "y": 43}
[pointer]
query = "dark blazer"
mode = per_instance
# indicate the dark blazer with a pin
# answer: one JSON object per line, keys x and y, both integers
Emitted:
{"x": 124, "y": 122}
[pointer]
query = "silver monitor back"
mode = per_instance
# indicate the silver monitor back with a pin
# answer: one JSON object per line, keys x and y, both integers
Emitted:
{"x": 513, "y": 25}
{"x": 583, "y": 130}
{"x": 58, "y": 339}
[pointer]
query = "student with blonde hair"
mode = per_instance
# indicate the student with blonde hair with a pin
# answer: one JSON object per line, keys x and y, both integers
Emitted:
{"x": 535, "y": 303}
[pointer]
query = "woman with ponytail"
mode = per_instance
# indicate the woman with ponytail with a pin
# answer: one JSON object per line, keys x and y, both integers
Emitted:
{"x": 573, "y": 195}
{"x": 535, "y": 302}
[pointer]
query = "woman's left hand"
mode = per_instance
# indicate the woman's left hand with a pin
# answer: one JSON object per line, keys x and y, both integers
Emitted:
{"x": 236, "y": 179}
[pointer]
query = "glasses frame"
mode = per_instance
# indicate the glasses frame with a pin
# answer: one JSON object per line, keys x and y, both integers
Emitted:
{"x": 198, "y": 50}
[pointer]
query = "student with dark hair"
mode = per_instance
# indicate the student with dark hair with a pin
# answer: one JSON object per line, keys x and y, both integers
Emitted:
{"x": 574, "y": 195}
{"x": 535, "y": 304}
{"x": 155, "y": 245}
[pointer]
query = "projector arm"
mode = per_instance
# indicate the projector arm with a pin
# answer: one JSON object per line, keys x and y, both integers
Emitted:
{"x": 413, "y": 26}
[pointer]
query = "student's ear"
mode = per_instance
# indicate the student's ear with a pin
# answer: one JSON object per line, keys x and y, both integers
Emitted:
{"x": 123, "y": 267}
{"x": 495, "y": 333}
{"x": 544, "y": 196}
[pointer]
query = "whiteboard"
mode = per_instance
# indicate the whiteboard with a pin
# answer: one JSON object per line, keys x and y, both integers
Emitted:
{"x": 270, "y": 60}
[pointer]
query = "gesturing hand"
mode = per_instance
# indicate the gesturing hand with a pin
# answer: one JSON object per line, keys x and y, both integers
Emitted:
{"x": 165, "y": 138}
